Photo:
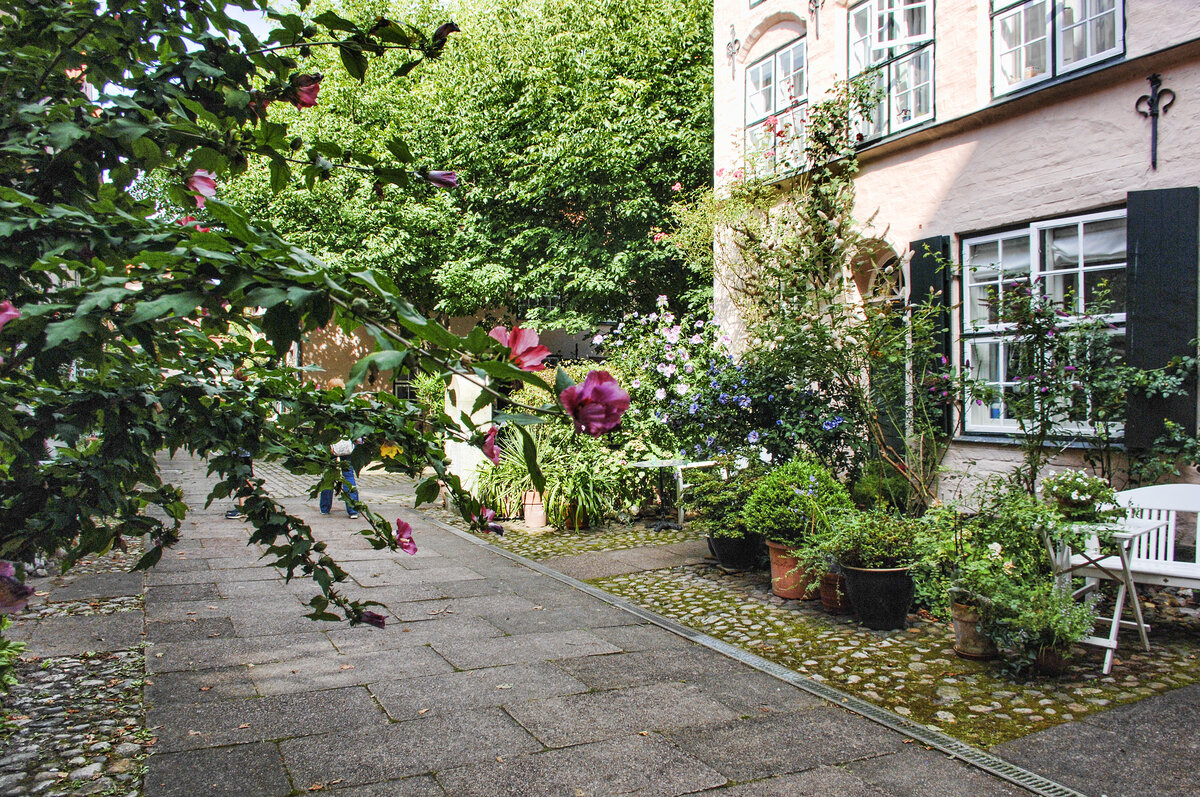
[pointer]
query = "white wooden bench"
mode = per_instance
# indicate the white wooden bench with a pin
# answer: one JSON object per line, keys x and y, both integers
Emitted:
{"x": 1152, "y": 559}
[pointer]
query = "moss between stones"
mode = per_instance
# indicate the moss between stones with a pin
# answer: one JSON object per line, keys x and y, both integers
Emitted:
{"x": 912, "y": 672}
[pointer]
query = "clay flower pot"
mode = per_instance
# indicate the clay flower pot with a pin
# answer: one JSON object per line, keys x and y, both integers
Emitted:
{"x": 969, "y": 642}
{"x": 534, "y": 510}
{"x": 787, "y": 579}
{"x": 833, "y": 593}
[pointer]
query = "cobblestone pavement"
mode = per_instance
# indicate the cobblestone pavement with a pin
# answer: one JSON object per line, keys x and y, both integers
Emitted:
{"x": 914, "y": 672}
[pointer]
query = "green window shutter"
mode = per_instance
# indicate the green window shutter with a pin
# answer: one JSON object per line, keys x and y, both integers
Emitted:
{"x": 929, "y": 279}
{"x": 1163, "y": 251}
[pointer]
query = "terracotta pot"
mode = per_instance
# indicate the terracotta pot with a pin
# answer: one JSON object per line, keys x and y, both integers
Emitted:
{"x": 833, "y": 593}
{"x": 969, "y": 642}
{"x": 880, "y": 597}
{"x": 576, "y": 518}
{"x": 534, "y": 510}
{"x": 787, "y": 580}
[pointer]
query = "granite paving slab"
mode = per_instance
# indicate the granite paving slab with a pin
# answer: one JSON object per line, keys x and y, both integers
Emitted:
{"x": 782, "y": 743}
{"x": 449, "y": 631}
{"x": 409, "y": 697}
{"x": 416, "y": 786}
{"x": 590, "y": 616}
{"x": 311, "y": 673}
{"x": 643, "y": 765}
{"x": 592, "y": 717}
{"x": 469, "y": 654}
{"x": 183, "y": 726}
{"x": 220, "y": 683}
{"x": 203, "y": 654}
{"x": 247, "y": 769}
{"x": 913, "y": 772}
{"x": 818, "y": 782}
{"x": 179, "y": 593}
{"x": 479, "y": 606}
{"x": 1142, "y": 748}
{"x": 421, "y": 746}
{"x": 192, "y": 628}
{"x": 73, "y": 635}
{"x": 95, "y": 586}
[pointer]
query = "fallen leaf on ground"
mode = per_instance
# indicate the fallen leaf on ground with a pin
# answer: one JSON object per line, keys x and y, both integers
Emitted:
{"x": 346, "y": 667}
{"x": 205, "y": 688}
{"x": 243, "y": 726}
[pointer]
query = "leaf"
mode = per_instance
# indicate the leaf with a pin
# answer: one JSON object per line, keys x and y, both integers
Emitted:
{"x": 405, "y": 68}
{"x": 427, "y": 491}
{"x": 148, "y": 152}
{"x": 281, "y": 174}
{"x": 400, "y": 150}
{"x": 354, "y": 61}
{"x": 232, "y": 220}
{"x": 149, "y": 558}
{"x": 529, "y": 451}
{"x": 334, "y": 22}
{"x": 562, "y": 381}
{"x": 64, "y": 134}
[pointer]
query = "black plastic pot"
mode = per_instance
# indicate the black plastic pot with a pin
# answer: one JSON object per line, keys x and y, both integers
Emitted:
{"x": 880, "y": 597}
{"x": 736, "y": 553}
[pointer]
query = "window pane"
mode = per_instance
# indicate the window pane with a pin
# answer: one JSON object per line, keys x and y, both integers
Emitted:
{"x": 1063, "y": 290}
{"x": 760, "y": 83}
{"x": 1104, "y": 242}
{"x": 860, "y": 39}
{"x": 791, "y": 86}
{"x": 1061, "y": 247}
{"x": 1111, "y": 279}
{"x": 1015, "y": 254}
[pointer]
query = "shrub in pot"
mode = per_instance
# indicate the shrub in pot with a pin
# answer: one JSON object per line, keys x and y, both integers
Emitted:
{"x": 792, "y": 504}
{"x": 875, "y": 550}
{"x": 719, "y": 497}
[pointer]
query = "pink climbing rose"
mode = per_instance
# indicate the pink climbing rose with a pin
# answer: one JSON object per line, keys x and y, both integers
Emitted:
{"x": 677, "y": 187}
{"x": 597, "y": 404}
{"x": 489, "y": 446}
{"x": 404, "y": 537}
{"x": 8, "y": 313}
{"x": 203, "y": 185}
{"x": 527, "y": 353}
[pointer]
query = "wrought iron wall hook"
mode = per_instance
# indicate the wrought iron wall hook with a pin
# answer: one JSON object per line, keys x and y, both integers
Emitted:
{"x": 1155, "y": 103}
{"x": 734, "y": 45}
{"x": 814, "y": 11}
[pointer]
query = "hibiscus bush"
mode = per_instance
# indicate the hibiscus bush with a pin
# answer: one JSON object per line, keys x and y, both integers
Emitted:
{"x": 133, "y": 324}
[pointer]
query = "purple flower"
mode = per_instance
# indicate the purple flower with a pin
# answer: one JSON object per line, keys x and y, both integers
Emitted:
{"x": 752, "y": 437}
{"x": 695, "y": 340}
{"x": 596, "y": 405}
{"x": 373, "y": 618}
{"x": 305, "y": 90}
{"x": 672, "y": 334}
{"x": 660, "y": 394}
{"x": 404, "y": 537}
{"x": 661, "y": 301}
{"x": 442, "y": 179}
{"x": 487, "y": 521}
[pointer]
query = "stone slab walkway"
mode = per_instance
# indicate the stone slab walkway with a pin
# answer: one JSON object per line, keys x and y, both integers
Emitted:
{"x": 490, "y": 679}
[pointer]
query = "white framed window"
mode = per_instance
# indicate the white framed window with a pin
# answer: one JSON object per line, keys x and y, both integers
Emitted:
{"x": 1034, "y": 40}
{"x": 1074, "y": 261}
{"x": 894, "y": 38}
{"x": 776, "y": 110}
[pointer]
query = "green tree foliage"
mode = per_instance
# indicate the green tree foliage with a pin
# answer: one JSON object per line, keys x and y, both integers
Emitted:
{"x": 569, "y": 125}
{"x": 125, "y": 330}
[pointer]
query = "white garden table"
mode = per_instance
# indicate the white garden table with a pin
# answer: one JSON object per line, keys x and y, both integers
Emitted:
{"x": 678, "y": 466}
{"x": 1099, "y": 565}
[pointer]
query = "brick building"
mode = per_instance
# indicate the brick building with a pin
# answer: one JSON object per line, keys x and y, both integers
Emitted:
{"x": 1010, "y": 138}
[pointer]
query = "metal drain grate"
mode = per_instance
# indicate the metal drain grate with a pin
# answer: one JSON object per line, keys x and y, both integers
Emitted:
{"x": 952, "y": 747}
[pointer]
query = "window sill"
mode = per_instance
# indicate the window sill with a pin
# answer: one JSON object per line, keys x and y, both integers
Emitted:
{"x": 1010, "y": 440}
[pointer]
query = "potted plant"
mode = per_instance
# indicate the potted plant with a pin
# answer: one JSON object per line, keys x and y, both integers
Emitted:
{"x": 1080, "y": 498}
{"x": 793, "y": 503}
{"x": 719, "y": 497}
{"x": 875, "y": 550}
{"x": 1036, "y": 624}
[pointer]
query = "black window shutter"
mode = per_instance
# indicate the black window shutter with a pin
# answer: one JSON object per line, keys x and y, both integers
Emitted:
{"x": 1163, "y": 251}
{"x": 929, "y": 279}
